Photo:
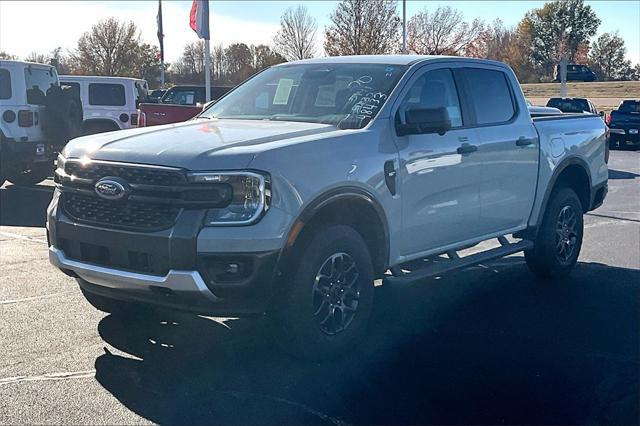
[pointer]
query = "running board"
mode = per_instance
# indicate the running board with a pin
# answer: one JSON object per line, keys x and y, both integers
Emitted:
{"x": 435, "y": 269}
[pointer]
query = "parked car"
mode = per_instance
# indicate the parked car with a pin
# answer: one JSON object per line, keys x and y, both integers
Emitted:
{"x": 576, "y": 72}
{"x": 154, "y": 96}
{"x": 180, "y": 103}
{"x": 624, "y": 124}
{"x": 539, "y": 111}
{"x": 109, "y": 103}
{"x": 573, "y": 105}
{"x": 291, "y": 194}
{"x": 37, "y": 117}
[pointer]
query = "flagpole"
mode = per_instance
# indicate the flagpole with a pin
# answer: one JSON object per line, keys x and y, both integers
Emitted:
{"x": 207, "y": 70}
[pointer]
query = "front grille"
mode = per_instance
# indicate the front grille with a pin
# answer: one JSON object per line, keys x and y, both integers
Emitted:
{"x": 132, "y": 174}
{"x": 126, "y": 215}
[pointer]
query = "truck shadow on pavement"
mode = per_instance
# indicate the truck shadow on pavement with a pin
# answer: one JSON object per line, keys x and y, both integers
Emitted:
{"x": 24, "y": 206}
{"x": 620, "y": 174}
{"x": 484, "y": 346}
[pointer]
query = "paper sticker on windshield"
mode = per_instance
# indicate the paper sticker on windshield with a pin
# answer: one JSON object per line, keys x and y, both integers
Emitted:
{"x": 283, "y": 91}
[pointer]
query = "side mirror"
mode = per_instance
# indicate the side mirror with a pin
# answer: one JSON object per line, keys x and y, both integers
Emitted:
{"x": 601, "y": 113}
{"x": 423, "y": 121}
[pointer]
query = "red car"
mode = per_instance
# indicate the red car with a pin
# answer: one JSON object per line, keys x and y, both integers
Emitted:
{"x": 180, "y": 103}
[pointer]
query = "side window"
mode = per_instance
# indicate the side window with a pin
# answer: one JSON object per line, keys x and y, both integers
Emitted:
{"x": 5, "y": 84}
{"x": 76, "y": 86}
{"x": 435, "y": 89}
{"x": 490, "y": 95}
{"x": 106, "y": 94}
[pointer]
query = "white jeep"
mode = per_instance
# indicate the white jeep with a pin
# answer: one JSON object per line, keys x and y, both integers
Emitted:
{"x": 37, "y": 117}
{"x": 109, "y": 103}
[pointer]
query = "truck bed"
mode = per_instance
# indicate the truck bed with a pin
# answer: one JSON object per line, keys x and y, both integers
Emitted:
{"x": 156, "y": 114}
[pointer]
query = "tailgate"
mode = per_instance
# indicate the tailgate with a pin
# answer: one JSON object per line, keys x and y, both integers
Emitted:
{"x": 156, "y": 114}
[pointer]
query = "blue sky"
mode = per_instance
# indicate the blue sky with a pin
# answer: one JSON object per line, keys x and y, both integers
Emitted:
{"x": 248, "y": 21}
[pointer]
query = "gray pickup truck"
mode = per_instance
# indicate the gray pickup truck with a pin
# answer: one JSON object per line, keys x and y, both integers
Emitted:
{"x": 297, "y": 190}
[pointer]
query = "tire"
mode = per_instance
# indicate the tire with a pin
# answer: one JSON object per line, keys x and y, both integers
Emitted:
{"x": 63, "y": 117}
{"x": 33, "y": 176}
{"x": 325, "y": 306}
{"x": 95, "y": 128}
{"x": 559, "y": 240}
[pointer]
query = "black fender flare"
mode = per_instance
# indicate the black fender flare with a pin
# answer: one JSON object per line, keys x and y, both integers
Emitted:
{"x": 325, "y": 199}
{"x": 564, "y": 164}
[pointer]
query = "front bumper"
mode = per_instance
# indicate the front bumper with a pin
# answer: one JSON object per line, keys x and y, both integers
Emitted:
{"x": 185, "y": 267}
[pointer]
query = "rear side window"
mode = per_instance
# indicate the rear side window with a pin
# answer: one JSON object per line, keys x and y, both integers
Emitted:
{"x": 490, "y": 95}
{"x": 38, "y": 81}
{"x": 5, "y": 84}
{"x": 106, "y": 94}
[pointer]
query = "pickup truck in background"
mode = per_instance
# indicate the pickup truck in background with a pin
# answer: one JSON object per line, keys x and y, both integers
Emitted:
{"x": 180, "y": 103}
{"x": 624, "y": 124}
{"x": 293, "y": 193}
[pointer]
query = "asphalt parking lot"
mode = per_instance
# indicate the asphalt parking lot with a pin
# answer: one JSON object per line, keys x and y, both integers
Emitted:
{"x": 488, "y": 345}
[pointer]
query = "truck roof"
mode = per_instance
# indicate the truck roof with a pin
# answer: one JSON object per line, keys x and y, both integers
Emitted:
{"x": 98, "y": 78}
{"x": 387, "y": 59}
{"x": 7, "y": 63}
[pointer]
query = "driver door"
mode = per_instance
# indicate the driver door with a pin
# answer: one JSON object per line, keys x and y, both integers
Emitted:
{"x": 439, "y": 173}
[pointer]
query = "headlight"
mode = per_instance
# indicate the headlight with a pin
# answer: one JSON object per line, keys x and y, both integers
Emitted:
{"x": 251, "y": 194}
{"x": 60, "y": 162}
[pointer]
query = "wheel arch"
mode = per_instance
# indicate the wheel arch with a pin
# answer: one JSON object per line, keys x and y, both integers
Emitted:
{"x": 352, "y": 206}
{"x": 574, "y": 173}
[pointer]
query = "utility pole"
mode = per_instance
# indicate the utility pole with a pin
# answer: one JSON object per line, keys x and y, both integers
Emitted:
{"x": 404, "y": 27}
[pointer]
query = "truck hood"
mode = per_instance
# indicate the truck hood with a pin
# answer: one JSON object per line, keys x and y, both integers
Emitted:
{"x": 201, "y": 144}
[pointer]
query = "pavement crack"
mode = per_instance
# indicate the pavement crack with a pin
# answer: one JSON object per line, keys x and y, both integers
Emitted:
{"x": 613, "y": 217}
{"x": 66, "y": 375}
{"x": 29, "y": 299}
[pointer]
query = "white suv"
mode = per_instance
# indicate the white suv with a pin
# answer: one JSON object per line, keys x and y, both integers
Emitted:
{"x": 109, "y": 103}
{"x": 37, "y": 118}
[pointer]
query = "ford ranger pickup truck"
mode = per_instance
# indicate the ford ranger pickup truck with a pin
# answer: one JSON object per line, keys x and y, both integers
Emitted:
{"x": 298, "y": 189}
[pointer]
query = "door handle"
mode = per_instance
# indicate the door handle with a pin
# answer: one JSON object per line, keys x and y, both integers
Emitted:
{"x": 466, "y": 149}
{"x": 522, "y": 141}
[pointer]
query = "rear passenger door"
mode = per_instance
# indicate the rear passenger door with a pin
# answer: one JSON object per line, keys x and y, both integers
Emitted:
{"x": 507, "y": 148}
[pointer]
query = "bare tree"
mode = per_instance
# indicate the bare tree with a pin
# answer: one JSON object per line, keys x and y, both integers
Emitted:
{"x": 7, "y": 56}
{"x": 443, "y": 32}
{"x": 217, "y": 56}
{"x": 296, "y": 38}
{"x": 36, "y": 57}
{"x": 492, "y": 43}
{"x": 363, "y": 27}
{"x": 110, "y": 48}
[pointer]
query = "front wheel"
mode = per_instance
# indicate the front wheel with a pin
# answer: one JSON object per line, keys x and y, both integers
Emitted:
{"x": 557, "y": 245}
{"x": 326, "y": 303}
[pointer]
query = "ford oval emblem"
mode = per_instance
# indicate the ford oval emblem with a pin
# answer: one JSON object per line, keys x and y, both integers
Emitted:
{"x": 111, "y": 188}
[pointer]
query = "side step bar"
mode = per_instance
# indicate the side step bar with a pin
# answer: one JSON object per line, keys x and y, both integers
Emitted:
{"x": 456, "y": 262}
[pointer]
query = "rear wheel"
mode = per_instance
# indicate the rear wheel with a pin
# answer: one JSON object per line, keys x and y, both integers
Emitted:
{"x": 559, "y": 240}
{"x": 327, "y": 301}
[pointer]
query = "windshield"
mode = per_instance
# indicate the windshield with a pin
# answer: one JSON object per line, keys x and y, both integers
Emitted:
{"x": 346, "y": 95}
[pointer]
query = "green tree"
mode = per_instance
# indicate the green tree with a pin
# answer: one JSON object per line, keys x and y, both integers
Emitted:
{"x": 607, "y": 57}
{"x": 363, "y": 27}
{"x": 559, "y": 29}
